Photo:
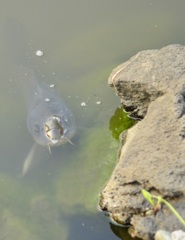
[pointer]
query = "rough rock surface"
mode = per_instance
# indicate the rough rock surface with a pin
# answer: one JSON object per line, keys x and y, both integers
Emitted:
{"x": 151, "y": 86}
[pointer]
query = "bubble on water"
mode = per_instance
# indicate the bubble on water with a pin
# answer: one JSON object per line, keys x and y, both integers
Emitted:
{"x": 47, "y": 100}
{"x": 98, "y": 102}
{"x": 57, "y": 118}
{"x": 39, "y": 53}
{"x": 51, "y": 85}
{"x": 83, "y": 104}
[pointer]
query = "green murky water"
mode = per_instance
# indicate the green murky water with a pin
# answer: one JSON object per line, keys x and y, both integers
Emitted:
{"x": 82, "y": 42}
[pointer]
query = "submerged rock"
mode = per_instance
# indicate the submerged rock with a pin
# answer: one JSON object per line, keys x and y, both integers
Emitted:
{"x": 151, "y": 86}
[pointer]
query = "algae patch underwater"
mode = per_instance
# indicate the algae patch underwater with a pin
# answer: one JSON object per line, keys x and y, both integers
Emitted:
{"x": 92, "y": 166}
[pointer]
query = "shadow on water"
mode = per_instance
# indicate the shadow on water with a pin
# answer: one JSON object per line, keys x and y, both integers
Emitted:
{"x": 83, "y": 226}
{"x": 121, "y": 232}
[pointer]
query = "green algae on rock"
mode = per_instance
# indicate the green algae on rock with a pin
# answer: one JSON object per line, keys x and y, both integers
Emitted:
{"x": 119, "y": 122}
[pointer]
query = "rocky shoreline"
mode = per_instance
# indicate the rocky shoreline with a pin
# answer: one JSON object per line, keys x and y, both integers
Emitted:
{"x": 151, "y": 86}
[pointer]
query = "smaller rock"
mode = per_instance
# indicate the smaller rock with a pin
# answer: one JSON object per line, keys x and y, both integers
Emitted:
{"x": 162, "y": 235}
{"x": 178, "y": 235}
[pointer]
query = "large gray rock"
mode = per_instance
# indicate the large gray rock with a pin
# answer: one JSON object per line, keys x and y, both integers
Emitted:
{"x": 151, "y": 86}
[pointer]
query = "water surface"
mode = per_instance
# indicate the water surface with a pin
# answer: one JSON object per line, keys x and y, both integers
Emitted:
{"x": 82, "y": 42}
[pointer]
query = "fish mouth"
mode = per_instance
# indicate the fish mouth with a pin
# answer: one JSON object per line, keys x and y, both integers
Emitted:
{"x": 53, "y": 129}
{"x": 55, "y": 132}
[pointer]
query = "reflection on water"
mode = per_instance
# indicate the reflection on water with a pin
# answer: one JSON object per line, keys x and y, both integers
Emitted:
{"x": 82, "y": 42}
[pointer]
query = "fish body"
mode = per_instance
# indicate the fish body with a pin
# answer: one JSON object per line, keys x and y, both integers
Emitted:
{"x": 49, "y": 120}
{"x": 29, "y": 160}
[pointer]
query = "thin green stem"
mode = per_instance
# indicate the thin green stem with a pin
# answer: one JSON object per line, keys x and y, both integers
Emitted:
{"x": 160, "y": 199}
{"x": 174, "y": 211}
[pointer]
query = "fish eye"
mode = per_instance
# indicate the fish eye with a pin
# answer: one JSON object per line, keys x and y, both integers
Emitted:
{"x": 36, "y": 128}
